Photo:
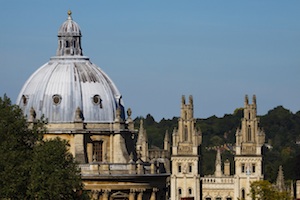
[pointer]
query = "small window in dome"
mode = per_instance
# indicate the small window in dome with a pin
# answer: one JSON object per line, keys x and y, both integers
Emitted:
{"x": 24, "y": 100}
{"x": 56, "y": 99}
{"x": 97, "y": 100}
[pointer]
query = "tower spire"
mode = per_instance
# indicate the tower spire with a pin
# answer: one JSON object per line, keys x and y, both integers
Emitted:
{"x": 218, "y": 170}
{"x": 280, "y": 180}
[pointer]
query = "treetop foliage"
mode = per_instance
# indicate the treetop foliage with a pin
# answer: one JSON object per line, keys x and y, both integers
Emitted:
{"x": 31, "y": 168}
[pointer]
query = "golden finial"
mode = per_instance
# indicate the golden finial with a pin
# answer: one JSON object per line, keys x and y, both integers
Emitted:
{"x": 69, "y": 12}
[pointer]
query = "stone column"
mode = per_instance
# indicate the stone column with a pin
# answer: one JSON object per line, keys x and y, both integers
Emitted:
{"x": 132, "y": 194}
{"x": 95, "y": 194}
{"x": 153, "y": 195}
{"x": 152, "y": 167}
{"x": 105, "y": 194}
{"x": 140, "y": 195}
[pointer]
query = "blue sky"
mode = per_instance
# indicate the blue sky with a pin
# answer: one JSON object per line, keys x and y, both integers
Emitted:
{"x": 155, "y": 51}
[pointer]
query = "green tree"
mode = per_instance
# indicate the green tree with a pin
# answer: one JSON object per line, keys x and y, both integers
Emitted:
{"x": 16, "y": 147}
{"x": 264, "y": 190}
{"x": 31, "y": 168}
{"x": 54, "y": 173}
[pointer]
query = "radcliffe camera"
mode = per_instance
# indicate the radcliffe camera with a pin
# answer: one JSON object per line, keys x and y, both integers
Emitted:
{"x": 70, "y": 136}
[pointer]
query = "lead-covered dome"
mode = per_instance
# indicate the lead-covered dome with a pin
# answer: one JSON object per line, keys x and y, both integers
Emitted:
{"x": 69, "y": 27}
{"x": 69, "y": 86}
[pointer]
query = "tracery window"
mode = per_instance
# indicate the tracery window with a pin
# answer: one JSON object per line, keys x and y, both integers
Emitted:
{"x": 179, "y": 191}
{"x": 185, "y": 133}
{"x": 243, "y": 194}
{"x": 253, "y": 168}
{"x": 98, "y": 151}
{"x": 243, "y": 168}
{"x": 190, "y": 168}
{"x": 179, "y": 167}
{"x": 249, "y": 136}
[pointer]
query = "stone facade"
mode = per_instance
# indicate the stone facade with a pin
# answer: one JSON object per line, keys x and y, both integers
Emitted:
{"x": 248, "y": 161}
{"x": 185, "y": 178}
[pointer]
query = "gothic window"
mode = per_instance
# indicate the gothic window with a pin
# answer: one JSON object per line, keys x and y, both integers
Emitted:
{"x": 253, "y": 168}
{"x": 185, "y": 133}
{"x": 243, "y": 194}
{"x": 207, "y": 198}
{"x": 190, "y": 191}
{"x": 218, "y": 198}
{"x": 228, "y": 198}
{"x": 179, "y": 192}
{"x": 249, "y": 115}
{"x": 249, "y": 137}
{"x": 243, "y": 168}
{"x": 190, "y": 168}
{"x": 98, "y": 151}
{"x": 179, "y": 167}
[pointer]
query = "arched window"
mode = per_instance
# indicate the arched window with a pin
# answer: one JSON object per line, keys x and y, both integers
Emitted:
{"x": 98, "y": 151}
{"x": 179, "y": 167}
{"x": 179, "y": 192}
{"x": 253, "y": 168}
{"x": 185, "y": 133}
{"x": 67, "y": 44}
{"x": 249, "y": 136}
{"x": 190, "y": 191}
{"x": 243, "y": 194}
{"x": 190, "y": 168}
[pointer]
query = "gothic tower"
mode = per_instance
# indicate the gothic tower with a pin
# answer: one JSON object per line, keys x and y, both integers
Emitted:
{"x": 248, "y": 159}
{"x": 185, "y": 179}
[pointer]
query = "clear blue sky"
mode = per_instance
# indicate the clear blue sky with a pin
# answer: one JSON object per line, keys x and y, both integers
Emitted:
{"x": 155, "y": 51}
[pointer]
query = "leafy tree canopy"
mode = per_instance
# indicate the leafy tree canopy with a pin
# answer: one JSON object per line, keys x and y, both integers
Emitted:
{"x": 29, "y": 167}
{"x": 265, "y": 190}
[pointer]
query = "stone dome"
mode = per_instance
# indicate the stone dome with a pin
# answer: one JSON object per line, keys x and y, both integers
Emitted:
{"x": 70, "y": 87}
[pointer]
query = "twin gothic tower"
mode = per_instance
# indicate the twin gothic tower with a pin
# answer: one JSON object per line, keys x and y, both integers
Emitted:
{"x": 186, "y": 182}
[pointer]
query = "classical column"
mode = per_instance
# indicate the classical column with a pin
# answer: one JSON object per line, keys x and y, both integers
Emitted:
{"x": 132, "y": 194}
{"x": 105, "y": 194}
{"x": 140, "y": 195}
{"x": 95, "y": 194}
{"x": 153, "y": 195}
